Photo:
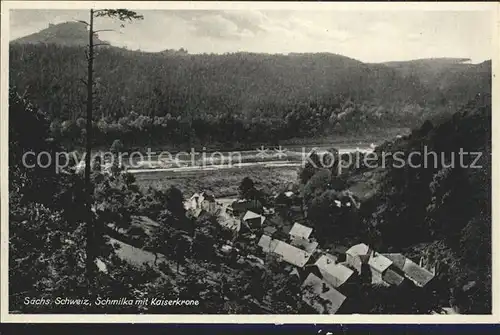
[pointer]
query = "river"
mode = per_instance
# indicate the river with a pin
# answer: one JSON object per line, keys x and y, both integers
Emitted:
{"x": 193, "y": 162}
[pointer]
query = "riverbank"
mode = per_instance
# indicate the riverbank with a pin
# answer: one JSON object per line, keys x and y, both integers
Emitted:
{"x": 332, "y": 141}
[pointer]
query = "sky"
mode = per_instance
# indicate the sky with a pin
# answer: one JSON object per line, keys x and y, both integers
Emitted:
{"x": 369, "y": 36}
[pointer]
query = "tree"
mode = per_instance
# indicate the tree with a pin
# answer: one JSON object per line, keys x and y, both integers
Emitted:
{"x": 116, "y": 146}
{"x": 182, "y": 247}
{"x": 326, "y": 215}
{"x": 247, "y": 188}
{"x": 175, "y": 202}
{"x": 166, "y": 218}
{"x": 122, "y": 15}
{"x": 316, "y": 185}
{"x": 158, "y": 241}
{"x": 313, "y": 163}
{"x": 206, "y": 237}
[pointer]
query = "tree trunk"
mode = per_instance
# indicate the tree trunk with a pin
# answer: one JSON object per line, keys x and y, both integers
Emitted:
{"x": 90, "y": 229}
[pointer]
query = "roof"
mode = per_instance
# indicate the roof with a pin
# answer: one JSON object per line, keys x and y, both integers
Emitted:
{"x": 249, "y": 215}
{"x": 194, "y": 196}
{"x": 392, "y": 278}
{"x": 358, "y": 250}
{"x": 333, "y": 273}
{"x": 267, "y": 243}
{"x": 226, "y": 247}
{"x": 304, "y": 244}
{"x": 379, "y": 262}
{"x": 331, "y": 257}
{"x": 101, "y": 265}
{"x": 469, "y": 285}
{"x": 295, "y": 272}
{"x": 333, "y": 298}
{"x": 291, "y": 254}
{"x": 417, "y": 274}
{"x": 207, "y": 196}
{"x": 300, "y": 230}
{"x": 397, "y": 259}
{"x": 449, "y": 310}
{"x": 289, "y": 194}
{"x": 197, "y": 212}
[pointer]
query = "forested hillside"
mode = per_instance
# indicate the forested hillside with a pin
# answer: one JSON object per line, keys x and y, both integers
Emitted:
{"x": 179, "y": 98}
{"x": 437, "y": 208}
{"x": 442, "y": 210}
{"x": 47, "y": 242}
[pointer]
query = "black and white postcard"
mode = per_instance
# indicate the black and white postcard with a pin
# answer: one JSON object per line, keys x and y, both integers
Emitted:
{"x": 257, "y": 162}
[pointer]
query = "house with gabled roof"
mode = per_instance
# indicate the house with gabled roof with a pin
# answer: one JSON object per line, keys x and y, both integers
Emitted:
{"x": 321, "y": 296}
{"x": 202, "y": 201}
{"x": 391, "y": 277}
{"x": 300, "y": 231}
{"x": 357, "y": 255}
{"x": 253, "y": 220}
{"x": 398, "y": 260}
{"x": 306, "y": 245}
{"x": 231, "y": 224}
{"x": 379, "y": 264}
{"x": 418, "y": 275}
{"x": 411, "y": 270}
{"x": 295, "y": 273}
{"x": 335, "y": 274}
{"x": 291, "y": 254}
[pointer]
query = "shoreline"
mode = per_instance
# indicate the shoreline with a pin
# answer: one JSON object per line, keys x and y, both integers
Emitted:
{"x": 334, "y": 141}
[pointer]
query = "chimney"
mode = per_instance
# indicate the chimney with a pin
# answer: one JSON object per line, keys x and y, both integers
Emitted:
{"x": 435, "y": 268}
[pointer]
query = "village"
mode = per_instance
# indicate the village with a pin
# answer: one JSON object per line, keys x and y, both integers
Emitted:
{"x": 256, "y": 233}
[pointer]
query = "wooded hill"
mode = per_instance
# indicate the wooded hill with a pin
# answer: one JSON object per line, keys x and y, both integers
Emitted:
{"x": 438, "y": 208}
{"x": 443, "y": 209}
{"x": 240, "y": 97}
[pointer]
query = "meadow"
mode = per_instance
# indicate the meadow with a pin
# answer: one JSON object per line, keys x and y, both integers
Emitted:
{"x": 222, "y": 183}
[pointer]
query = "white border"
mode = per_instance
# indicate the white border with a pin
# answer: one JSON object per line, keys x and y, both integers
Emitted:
{"x": 493, "y": 7}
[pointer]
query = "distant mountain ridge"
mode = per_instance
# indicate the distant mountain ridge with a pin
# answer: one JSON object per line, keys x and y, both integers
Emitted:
{"x": 66, "y": 33}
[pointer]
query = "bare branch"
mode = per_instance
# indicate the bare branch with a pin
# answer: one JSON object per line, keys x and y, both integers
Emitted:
{"x": 98, "y": 31}
{"x": 83, "y": 81}
{"x": 84, "y": 22}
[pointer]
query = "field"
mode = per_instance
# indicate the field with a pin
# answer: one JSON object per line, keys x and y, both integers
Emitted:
{"x": 222, "y": 183}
